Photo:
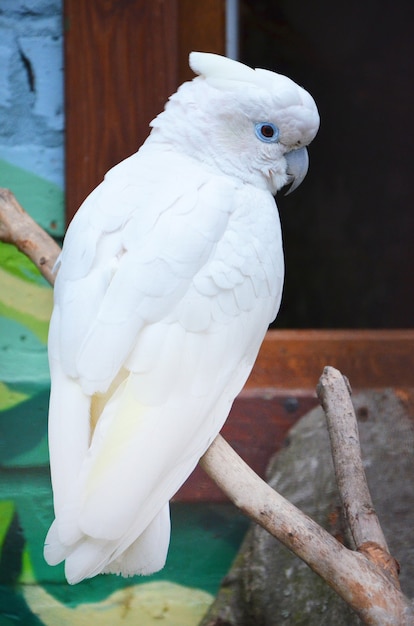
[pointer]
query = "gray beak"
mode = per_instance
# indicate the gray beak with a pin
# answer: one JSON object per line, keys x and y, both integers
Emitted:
{"x": 297, "y": 167}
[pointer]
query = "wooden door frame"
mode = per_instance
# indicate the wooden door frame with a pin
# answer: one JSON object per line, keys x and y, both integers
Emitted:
{"x": 123, "y": 59}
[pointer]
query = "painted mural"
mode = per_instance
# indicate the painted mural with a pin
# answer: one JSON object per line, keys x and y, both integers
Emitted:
{"x": 205, "y": 538}
{"x": 31, "y": 165}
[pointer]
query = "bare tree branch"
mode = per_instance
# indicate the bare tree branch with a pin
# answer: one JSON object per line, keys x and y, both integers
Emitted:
{"x": 357, "y": 579}
{"x": 334, "y": 394}
{"x": 365, "y": 587}
{"x": 18, "y": 228}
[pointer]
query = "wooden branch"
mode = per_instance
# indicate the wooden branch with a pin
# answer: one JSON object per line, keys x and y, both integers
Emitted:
{"x": 334, "y": 394}
{"x": 362, "y": 584}
{"x": 19, "y": 229}
{"x": 365, "y": 587}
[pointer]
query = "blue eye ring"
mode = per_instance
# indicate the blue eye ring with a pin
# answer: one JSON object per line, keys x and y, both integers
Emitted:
{"x": 267, "y": 132}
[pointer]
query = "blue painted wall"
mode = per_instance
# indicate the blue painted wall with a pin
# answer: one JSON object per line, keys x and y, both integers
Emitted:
{"x": 31, "y": 107}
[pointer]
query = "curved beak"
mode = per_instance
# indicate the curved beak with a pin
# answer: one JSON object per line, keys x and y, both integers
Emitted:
{"x": 297, "y": 167}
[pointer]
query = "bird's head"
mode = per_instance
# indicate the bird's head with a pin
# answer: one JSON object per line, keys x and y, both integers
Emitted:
{"x": 249, "y": 123}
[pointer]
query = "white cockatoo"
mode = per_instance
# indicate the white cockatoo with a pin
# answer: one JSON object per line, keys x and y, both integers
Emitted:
{"x": 170, "y": 274}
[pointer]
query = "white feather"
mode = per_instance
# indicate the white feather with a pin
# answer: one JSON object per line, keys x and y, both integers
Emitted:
{"x": 215, "y": 67}
{"x": 170, "y": 273}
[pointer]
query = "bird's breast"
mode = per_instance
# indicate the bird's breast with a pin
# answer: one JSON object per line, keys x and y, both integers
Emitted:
{"x": 244, "y": 272}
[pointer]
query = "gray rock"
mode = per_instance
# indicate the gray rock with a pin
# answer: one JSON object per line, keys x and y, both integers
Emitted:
{"x": 268, "y": 585}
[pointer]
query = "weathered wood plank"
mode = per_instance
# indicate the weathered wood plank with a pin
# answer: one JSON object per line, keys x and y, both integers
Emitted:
{"x": 294, "y": 359}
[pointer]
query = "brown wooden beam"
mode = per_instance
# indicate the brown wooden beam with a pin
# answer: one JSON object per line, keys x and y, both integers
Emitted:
{"x": 120, "y": 63}
{"x": 123, "y": 58}
{"x": 201, "y": 27}
{"x": 294, "y": 359}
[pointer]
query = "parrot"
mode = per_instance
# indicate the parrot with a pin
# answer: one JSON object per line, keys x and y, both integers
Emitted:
{"x": 169, "y": 276}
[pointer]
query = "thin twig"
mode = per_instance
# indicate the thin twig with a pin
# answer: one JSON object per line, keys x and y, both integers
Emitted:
{"x": 334, "y": 394}
{"x": 19, "y": 229}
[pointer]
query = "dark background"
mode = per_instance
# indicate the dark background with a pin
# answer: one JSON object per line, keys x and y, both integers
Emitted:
{"x": 348, "y": 229}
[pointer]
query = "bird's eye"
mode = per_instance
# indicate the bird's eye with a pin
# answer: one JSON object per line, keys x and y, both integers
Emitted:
{"x": 266, "y": 131}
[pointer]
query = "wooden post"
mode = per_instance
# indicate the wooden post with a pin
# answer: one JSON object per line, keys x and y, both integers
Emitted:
{"x": 123, "y": 58}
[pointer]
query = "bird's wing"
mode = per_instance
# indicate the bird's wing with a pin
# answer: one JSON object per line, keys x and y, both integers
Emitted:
{"x": 130, "y": 255}
{"x": 181, "y": 306}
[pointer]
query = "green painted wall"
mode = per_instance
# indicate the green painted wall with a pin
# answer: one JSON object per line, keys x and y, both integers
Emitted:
{"x": 204, "y": 538}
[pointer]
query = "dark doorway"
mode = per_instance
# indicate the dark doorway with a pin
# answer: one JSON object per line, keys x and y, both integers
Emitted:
{"x": 348, "y": 230}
